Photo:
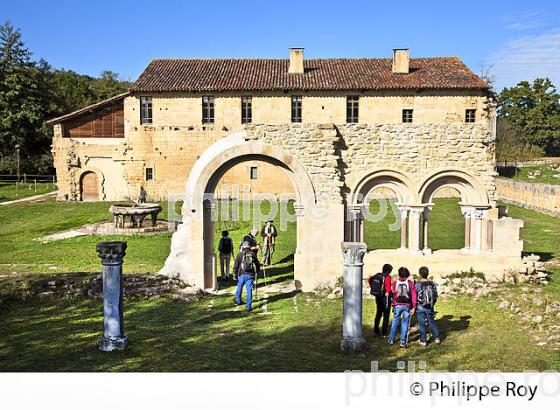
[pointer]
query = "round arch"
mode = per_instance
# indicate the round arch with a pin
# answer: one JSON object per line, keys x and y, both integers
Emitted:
{"x": 471, "y": 190}
{"x": 91, "y": 181}
{"x": 397, "y": 182}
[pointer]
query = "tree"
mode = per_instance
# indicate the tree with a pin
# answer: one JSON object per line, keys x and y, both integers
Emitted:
{"x": 24, "y": 102}
{"x": 510, "y": 147}
{"x": 533, "y": 110}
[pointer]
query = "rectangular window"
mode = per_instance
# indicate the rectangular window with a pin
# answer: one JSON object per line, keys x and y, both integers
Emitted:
{"x": 407, "y": 115}
{"x": 149, "y": 174}
{"x": 208, "y": 110}
{"x": 296, "y": 108}
{"x": 470, "y": 115}
{"x": 145, "y": 110}
{"x": 246, "y": 110}
{"x": 253, "y": 173}
{"x": 352, "y": 108}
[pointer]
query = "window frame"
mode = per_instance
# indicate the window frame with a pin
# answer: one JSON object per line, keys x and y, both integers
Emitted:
{"x": 208, "y": 109}
{"x": 352, "y": 104}
{"x": 151, "y": 171}
{"x": 296, "y": 108}
{"x": 246, "y": 109}
{"x": 407, "y": 115}
{"x": 470, "y": 115}
{"x": 253, "y": 173}
{"x": 146, "y": 109}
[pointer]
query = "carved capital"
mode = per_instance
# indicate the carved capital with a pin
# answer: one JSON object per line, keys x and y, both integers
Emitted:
{"x": 111, "y": 252}
{"x": 353, "y": 253}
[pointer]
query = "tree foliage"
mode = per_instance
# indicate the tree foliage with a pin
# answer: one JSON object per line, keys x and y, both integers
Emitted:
{"x": 511, "y": 148}
{"x": 533, "y": 111}
{"x": 31, "y": 92}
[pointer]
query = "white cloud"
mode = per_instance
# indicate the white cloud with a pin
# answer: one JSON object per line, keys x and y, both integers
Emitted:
{"x": 527, "y": 58}
{"x": 528, "y": 20}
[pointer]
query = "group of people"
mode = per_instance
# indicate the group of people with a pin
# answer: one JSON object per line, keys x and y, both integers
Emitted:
{"x": 246, "y": 265}
{"x": 406, "y": 297}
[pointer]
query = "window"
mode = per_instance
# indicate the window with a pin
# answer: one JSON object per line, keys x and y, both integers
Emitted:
{"x": 149, "y": 174}
{"x": 207, "y": 110}
{"x": 246, "y": 110}
{"x": 407, "y": 115}
{"x": 296, "y": 108}
{"x": 253, "y": 173}
{"x": 470, "y": 115}
{"x": 145, "y": 110}
{"x": 352, "y": 108}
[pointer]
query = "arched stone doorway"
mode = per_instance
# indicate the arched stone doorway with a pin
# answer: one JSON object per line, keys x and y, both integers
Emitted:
{"x": 191, "y": 255}
{"x": 89, "y": 186}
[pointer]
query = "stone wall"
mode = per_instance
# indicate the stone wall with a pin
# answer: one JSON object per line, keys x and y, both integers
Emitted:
{"x": 540, "y": 197}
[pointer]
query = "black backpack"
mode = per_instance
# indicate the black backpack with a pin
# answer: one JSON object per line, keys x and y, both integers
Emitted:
{"x": 377, "y": 285}
{"x": 247, "y": 262}
{"x": 427, "y": 294}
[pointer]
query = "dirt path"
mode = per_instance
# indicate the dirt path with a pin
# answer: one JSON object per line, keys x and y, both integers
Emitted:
{"x": 29, "y": 198}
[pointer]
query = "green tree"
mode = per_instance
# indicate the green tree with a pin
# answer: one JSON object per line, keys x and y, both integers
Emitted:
{"x": 510, "y": 147}
{"x": 533, "y": 110}
{"x": 24, "y": 103}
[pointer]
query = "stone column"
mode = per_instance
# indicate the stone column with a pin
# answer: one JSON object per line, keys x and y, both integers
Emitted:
{"x": 404, "y": 219}
{"x": 414, "y": 214}
{"x": 467, "y": 214}
{"x": 356, "y": 223}
{"x": 353, "y": 256}
{"x": 425, "y": 214}
{"x": 112, "y": 254}
{"x": 209, "y": 215}
{"x": 480, "y": 216}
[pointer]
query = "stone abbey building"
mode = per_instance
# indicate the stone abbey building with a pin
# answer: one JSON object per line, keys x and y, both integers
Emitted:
{"x": 339, "y": 129}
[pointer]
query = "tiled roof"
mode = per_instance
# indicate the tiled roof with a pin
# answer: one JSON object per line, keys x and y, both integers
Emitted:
{"x": 320, "y": 74}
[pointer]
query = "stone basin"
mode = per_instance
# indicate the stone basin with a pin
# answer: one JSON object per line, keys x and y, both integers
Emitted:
{"x": 135, "y": 213}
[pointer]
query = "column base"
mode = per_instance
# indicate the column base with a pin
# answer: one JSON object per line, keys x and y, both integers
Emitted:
{"x": 350, "y": 344}
{"x": 402, "y": 249}
{"x": 427, "y": 251}
{"x": 112, "y": 343}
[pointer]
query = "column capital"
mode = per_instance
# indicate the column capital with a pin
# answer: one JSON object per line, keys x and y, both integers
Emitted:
{"x": 353, "y": 253}
{"x": 111, "y": 252}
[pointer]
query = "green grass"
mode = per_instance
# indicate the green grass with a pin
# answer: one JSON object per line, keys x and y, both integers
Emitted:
{"x": 543, "y": 174}
{"x": 301, "y": 333}
{"x": 9, "y": 192}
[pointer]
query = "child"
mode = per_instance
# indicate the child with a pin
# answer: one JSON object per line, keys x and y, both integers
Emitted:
{"x": 380, "y": 287}
{"x": 225, "y": 247}
{"x": 427, "y": 298}
{"x": 404, "y": 304}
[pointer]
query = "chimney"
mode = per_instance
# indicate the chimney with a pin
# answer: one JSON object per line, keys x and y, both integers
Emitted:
{"x": 400, "y": 61}
{"x": 296, "y": 61}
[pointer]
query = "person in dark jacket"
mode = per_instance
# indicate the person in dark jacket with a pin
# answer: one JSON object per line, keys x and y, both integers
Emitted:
{"x": 427, "y": 295}
{"x": 382, "y": 300}
{"x": 251, "y": 237}
{"x": 269, "y": 234}
{"x": 246, "y": 267}
{"x": 225, "y": 248}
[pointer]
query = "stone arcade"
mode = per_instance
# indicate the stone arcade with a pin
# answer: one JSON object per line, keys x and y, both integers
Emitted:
{"x": 339, "y": 129}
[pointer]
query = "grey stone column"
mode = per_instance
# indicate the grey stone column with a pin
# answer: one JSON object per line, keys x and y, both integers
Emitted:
{"x": 353, "y": 257}
{"x": 112, "y": 254}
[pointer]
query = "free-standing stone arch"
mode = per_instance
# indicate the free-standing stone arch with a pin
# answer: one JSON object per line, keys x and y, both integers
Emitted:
{"x": 191, "y": 255}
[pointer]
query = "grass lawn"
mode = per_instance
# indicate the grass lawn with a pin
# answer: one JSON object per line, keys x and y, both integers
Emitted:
{"x": 9, "y": 192}
{"x": 301, "y": 332}
{"x": 544, "y": 174}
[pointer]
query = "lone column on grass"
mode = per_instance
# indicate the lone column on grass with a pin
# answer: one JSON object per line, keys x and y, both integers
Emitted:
{"x": 353, "y": 259}
{"x": 112, "y": 254}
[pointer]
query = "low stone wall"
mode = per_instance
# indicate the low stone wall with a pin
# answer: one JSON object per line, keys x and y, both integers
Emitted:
{"x": 540, "y": 197}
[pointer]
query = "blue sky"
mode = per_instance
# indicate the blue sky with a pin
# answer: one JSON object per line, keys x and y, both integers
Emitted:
{"x": 519, "y": 39}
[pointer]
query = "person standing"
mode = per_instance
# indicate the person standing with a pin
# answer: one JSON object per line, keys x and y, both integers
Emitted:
{"x": 143, "y": 195}
{"x": 404, "y": 304}
{"x": 246, "y": 266}
{"x": 427, "y": 295}
{"x": 251, "y": 237}
{"x": 380, "y": 287}
{"x": 269, "y": 234}
{"x": 225, "y": 249}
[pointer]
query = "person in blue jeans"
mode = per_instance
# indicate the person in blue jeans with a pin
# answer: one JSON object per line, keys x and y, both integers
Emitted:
{"x": 427, "y": 295}
{"x": 404, "y": 303}
{"x": 246, "y": 266}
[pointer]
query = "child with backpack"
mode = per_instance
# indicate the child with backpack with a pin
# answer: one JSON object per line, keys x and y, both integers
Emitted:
{"x": 380, "y": 287}
{"x": 246, "y": 267}
{"x": 426, "y": 292}
{"x": 404, "y": 304}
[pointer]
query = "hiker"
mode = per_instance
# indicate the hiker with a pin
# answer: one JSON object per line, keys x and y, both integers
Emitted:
{"x": 251, "y": 237}
{"x": 143, "y": 195}
{"x": 380, "y": 287}
{"x": 404, "y": 304}
{"x": 426, "y": 292}
{"x": 269, "y": 234}
{"x": 246, "y": 267}
{"x": 225, "y": 248}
